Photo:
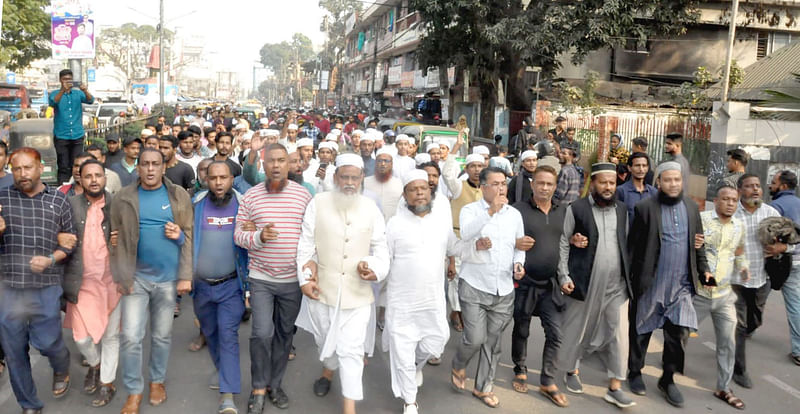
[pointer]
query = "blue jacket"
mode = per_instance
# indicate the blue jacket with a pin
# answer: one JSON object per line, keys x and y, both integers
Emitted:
{"x": 788, "y": 204}
{"x": 241, "y": 254}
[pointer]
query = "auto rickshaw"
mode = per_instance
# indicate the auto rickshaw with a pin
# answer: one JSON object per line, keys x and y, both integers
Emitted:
{"x": 37, "y": 134}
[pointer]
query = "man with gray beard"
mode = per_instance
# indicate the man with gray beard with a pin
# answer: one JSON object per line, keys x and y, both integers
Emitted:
{"x": 341, "y": 252}
{"x": 751, "y": 292}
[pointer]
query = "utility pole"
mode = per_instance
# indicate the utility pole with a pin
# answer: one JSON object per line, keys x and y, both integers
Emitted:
{"x": 374, "y": 70}
{"x": 729, "y": 57}
{"x": 161, "y": 54}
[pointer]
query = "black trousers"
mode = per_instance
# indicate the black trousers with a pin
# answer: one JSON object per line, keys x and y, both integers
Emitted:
{"x": 66, "y": 152}
{"x": 674, "y": 352}
{"x": 532, "y": 301}
{"x": 750, "y": 304}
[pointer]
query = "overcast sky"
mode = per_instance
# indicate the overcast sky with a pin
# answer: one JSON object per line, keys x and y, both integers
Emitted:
{"x": 234, "y": 29}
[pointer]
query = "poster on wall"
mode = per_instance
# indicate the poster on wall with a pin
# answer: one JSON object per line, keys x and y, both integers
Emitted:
{"x": 72, "y": 30}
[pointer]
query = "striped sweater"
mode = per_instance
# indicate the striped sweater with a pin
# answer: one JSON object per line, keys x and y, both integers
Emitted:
{"x": 274, "y": 260}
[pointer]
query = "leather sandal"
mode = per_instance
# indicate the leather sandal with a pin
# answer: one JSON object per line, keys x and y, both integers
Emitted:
{"x": 487, "y": 398}
{"x": 731, "y": 399}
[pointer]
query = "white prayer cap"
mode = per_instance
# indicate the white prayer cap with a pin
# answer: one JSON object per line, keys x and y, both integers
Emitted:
{"x": 368, "y": 137}
{"x": 291, "y": 150}
{"x": 331, "y": 137}
{"x": 447, "y": 143}
{"x": 292, "y": 127}
{"x": 427, "y": 138}
{"x": 336, "y": 131}
{"x": 305, "y": 142}
{"x": 240, "y": 125}
{"x": 474, "y": 158}
{"x": 146, "y": 133}
{"x": 422, "y": 158}
{"x": 668, "y": 166}
{"x": 207, "y": 124}
{"x": 247, "y": 135}
{"x": 372, "y": 131}
{"x": 263, "y": 121}
{"x": 528, "y": 154}
{"x": 404, "y": 137}
{"x": 377, "y": 136}
{"x": 431, "y": 145}
{"x": 414, "y": 175}
{"x": 384, "y": 150}
{"x": 349, "y": 160}
{"x": 329, "y": 145}
{"x": 481, "y": 149}
{"x": 357, "y": 132}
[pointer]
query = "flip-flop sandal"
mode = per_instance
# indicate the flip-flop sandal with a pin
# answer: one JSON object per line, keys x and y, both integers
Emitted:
{"x": 487, "y": 398}
{"x": 520, "y": 384}
{"x": 454, "y": 376}
{"x": 552, "y": 395}
{"x": 435, "y": 362}
{"x": 731, "y": 399}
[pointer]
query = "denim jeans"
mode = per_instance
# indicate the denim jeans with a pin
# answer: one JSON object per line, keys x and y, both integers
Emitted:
{"x": 791, "y": 297}
{"x": 723, "y": 316}
{"x": 31, "y": 317}
{"x": 156, "y": 300}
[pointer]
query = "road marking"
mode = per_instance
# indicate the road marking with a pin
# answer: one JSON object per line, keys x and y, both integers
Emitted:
{"x": 6, "y": 393}
{"x": 710, "y": 345}
{"x": 794, "y": 392}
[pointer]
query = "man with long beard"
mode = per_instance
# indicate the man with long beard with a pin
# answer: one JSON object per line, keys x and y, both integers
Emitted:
{"x": 752, "y": 292}
{"x": 594, "y": 274}
{"x": 220, "y": 268}
{"x": 384, "y": 184}
{"x": 276, "y": 209}
{"x": 416, "y": 316}
{"x": 666, "y": 264}
{"x": 342, "y": 251}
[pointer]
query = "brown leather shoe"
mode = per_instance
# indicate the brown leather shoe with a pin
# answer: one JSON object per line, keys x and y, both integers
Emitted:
{"x": 158, "y": 394}
{"x": 104, "y": 395}
{"x": 60, "y": 384}
{"x": 132, "y": 404}
{"x": 92, "y": 380}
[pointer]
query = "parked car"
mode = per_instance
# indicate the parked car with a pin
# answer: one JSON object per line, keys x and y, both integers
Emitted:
{"x": 112, "y": 113}
{"x": 37, "y": 134}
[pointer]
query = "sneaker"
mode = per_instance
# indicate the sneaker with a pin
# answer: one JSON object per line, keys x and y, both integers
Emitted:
{"x": 279, "y": 398}
{"x": 671, "y": 393}
{"x": 410, "y": 409}
{"x": 573, "y": 382}
{"x": 322, "y": 386}
{"x": 419, "y": 378}
{"x": 636, "y": 384}
{"x": 226, "y": 406}
{"x": 618, "y": 398}
{"x": 213, "y": 380}
{"x": 743, "y": 379}
{"x": 795, "y": 359}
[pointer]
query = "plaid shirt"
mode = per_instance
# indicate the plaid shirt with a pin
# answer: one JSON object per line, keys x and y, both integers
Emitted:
{"x": 752, "y": 247}
{"x": 32, "y": 227}
{"x": 569, "y": 185}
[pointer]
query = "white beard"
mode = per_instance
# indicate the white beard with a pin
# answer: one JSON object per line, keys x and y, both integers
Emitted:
{"x": 344, "y": 201}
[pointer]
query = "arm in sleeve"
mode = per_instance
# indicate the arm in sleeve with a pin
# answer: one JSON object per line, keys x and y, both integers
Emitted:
{"x": 700, "y": 254}
{"x": 519, "y": 255}
{"x": 378, "y": 261}
{"x": 472, "y": 219}
{"x": 66, "y": 224}
{"x": 450, "y": 176}
{"x": 245, "y": 239}
{"x": 563, "y": 247}
{"x": 250, "y": 170}
{"x": 562, "y": 186}
{"x": 185, "y": 269}
{"x": 306, "y": 248}
{"x": 327, "y": 183}
{"x": 740, "y": 259}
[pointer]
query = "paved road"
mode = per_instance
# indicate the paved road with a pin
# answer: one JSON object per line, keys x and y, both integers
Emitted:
{"x": 777, "y": 379}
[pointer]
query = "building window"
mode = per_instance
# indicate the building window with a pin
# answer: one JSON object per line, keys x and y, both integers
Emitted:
{"x": 770, "y": 42}
{"x": 634, "y": 46}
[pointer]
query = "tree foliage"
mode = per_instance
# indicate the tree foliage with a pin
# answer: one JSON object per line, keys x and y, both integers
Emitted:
{"x": 128, "y": 48}
{"x": 497, "y": 39}
{"x": 278, "y": 56}
{"x": 338, "y": 11}
{"x": 26, "y": 33}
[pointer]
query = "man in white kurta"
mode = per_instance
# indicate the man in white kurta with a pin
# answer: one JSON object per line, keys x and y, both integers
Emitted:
{"x": 388, "y": 188}
{"x": 341, "y": 252}
{"x": 419, "y": 237}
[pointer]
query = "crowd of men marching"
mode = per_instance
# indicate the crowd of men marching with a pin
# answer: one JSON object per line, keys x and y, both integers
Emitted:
{"x": 354, "y": 230}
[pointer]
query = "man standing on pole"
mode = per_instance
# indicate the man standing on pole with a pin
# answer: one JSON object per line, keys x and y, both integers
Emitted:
{"x": 68, "y": 122}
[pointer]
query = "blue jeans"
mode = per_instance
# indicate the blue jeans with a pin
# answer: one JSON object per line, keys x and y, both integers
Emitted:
{"x": 156, "y": 300}
{"x": 791, "y": 297}
{"x": 31, "y": 316}
{"x": 219, "y": 309}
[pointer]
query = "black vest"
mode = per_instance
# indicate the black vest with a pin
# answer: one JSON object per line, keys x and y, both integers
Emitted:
{"x": 581, "y": 260}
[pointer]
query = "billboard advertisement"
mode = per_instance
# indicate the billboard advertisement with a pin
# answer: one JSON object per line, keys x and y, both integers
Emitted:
{"x": 148, "y": 93}
{"x": 72, "y": 30}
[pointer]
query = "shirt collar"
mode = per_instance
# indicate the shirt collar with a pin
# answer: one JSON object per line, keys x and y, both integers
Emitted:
{"x": 782, "y": 193}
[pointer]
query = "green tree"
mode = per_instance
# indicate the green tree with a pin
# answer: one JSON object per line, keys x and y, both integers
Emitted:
{"x": 26, "y": 33}
{"x": 128, "y": 49}
{"x": 497, "y": 39}
{"x": 335, "y": 25}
